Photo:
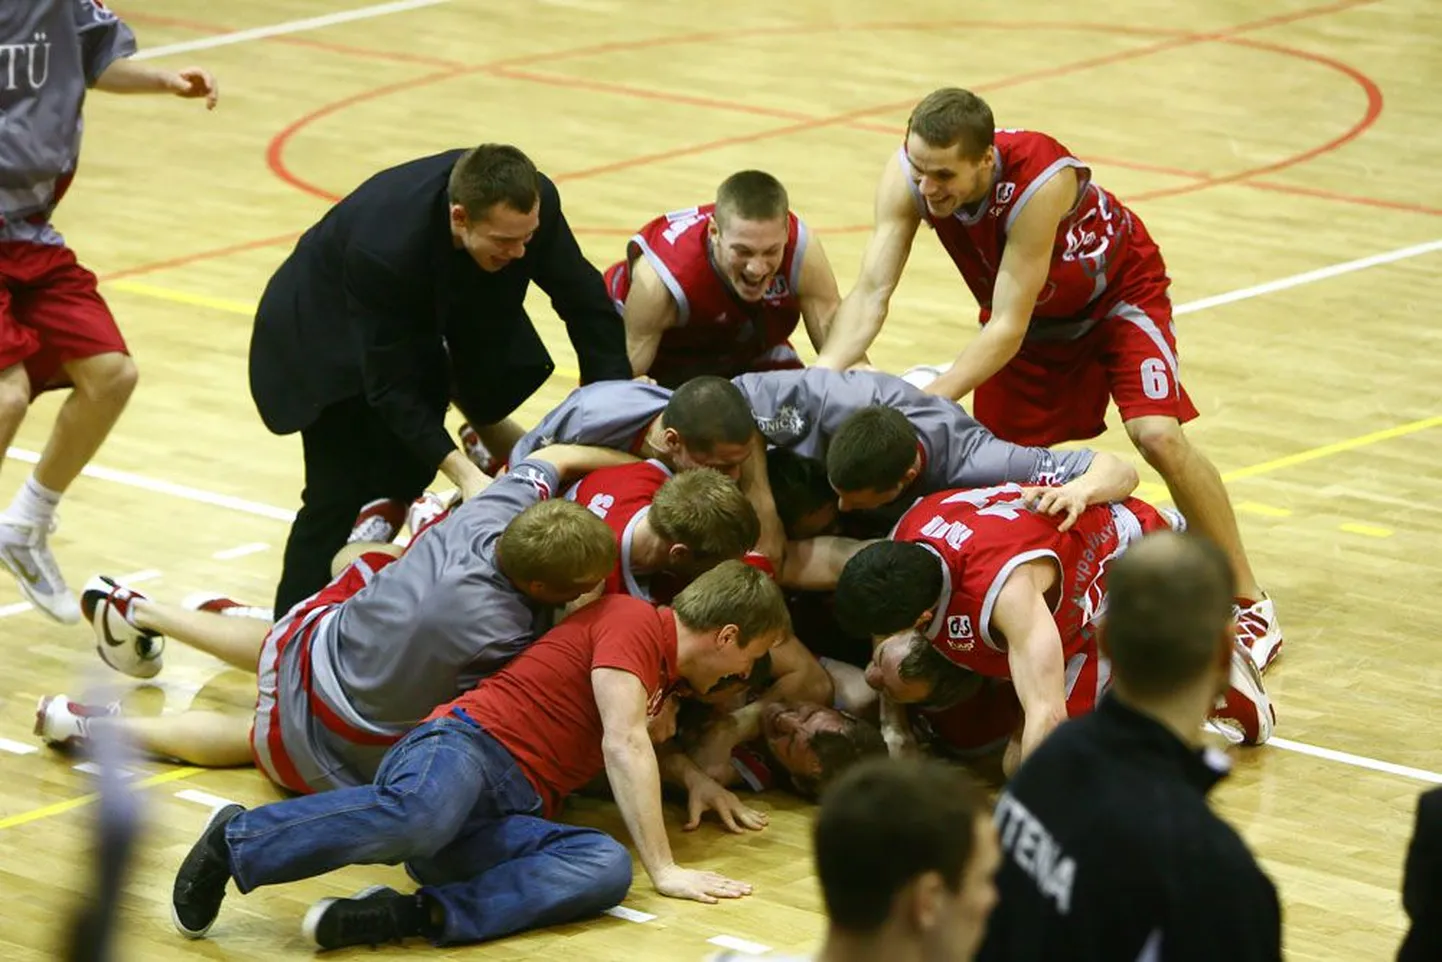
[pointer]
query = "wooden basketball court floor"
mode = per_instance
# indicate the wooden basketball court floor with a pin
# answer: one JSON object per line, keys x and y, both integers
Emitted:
{"x": 1283, "y": 153}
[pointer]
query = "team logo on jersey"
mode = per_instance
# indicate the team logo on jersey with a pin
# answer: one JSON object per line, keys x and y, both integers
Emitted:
{"x": 784, "y": 427}
{"x": 960, "y": 636}
{"x": 777, "y": 289}
{"x": 535, "y": 478}
{"x": 1005, "y": 191}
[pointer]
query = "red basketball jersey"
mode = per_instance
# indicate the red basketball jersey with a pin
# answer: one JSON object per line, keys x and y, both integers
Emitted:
{"x": 1091, "y": 240}
{"x": 716, "y": 332}
{"x": 621, "y": 496}
{"x": 982, "y": 535}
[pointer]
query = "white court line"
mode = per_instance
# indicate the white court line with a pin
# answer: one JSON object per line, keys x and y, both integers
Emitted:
{"x": 1359, "y": 761}
{"x": 240, "y": 551}
{"x": 290, "y": 26}
{"x": 630, "y": 915}
{"x": 203, "y": 798}
{"x": 739, "y": 945}
{"x": 17, "y": 748}
{"x": 91, "y": 768}
{"x": 20, "y": 607}
{"x": 281, "y": 514}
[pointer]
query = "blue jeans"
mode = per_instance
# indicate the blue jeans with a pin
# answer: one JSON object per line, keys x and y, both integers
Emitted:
{"x": 450, "y": 802}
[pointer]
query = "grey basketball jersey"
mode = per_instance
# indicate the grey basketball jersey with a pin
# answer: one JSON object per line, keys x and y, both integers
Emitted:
{"x": 801, "y": 410}
{"x": 607, "y": 414}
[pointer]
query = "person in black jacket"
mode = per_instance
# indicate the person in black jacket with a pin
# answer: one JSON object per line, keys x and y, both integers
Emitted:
{"x": 1110, "y": 851}
{"x": 406, "y": 296}
{"x": 1422, "y": 883}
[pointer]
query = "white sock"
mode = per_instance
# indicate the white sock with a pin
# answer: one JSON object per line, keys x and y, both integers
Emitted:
{"x": 34, "y": 503}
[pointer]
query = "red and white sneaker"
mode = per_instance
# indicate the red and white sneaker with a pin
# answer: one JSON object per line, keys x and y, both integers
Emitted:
{"x": 477, "y": 451}
{"x": 63, "y": 723}
{"x": 379, "y": 522}
{"x": 123, "y": 645}
{"x": 1258, "y": 630}
{"x": 221, "y": 605}
{"x": 425, "y": 511}
{"x": 1245, "y": 714}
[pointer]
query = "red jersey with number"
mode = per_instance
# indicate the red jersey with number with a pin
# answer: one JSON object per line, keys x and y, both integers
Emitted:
{"x": 1092, "y": 240}
{"x": 716, "y": 331}
{"x": 621, "y": 496}
{"x": 981, "y": 536}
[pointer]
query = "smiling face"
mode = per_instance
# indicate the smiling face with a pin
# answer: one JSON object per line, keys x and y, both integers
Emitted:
{"x": 748, "y": 253}
{"x": 497, "y": 237}
{"x": 947, "y": 179}
{"x": 790, "y": 729}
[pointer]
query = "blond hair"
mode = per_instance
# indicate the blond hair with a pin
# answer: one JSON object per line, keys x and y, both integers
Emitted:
{"x": 557, "y": 543}
{"x": 705, "y": 511}
{"x": 734, "y": 593}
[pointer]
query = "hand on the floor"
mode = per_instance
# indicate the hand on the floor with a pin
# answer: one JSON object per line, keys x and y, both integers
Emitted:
{"x": 684, "y": 883}
{"x": 737, "y": 816}
{"x": 1063, "y": 500}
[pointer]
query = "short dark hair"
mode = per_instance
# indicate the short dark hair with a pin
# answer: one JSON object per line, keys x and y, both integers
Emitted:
{"x": 838, "y": 751}
{"x": 751, "y": 195}
{"x": 494, "y": 174}
{"x": 885, "y": 587}
{"x": 872, "y": 450}
{"x": 952, "y": 117}
{"x": 950, "y": 683}
{"x": 1169, "y": 604}
{"x": 798, "y": 486}
{"x": 886, "y": 822}
{"x": 707, "y": 411}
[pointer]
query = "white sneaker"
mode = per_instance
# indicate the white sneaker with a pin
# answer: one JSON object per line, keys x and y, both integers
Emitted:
{"x": 25, "y": 551}
{"x": 922, "y": 375}
{"x": 1259, "y": 632}
{"x": 379, "y": 521}
{"x": 1245, "y": 714}
{"x": 123, "y": 645}
{"x": 66, "y": 724}
{"x": 424, "y": 512}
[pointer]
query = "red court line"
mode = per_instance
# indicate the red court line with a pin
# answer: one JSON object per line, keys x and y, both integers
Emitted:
{"x": 204, "y": 255}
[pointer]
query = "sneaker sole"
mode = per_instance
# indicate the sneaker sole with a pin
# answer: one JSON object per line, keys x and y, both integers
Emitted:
{"x": 1247, "y": 684}
{"x": 175, "y": 916}
{"x": 316, "y": 912}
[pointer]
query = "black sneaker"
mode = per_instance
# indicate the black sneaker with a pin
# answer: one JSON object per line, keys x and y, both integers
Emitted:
{"x": 200, "y": 883}
{"x": 374, "y": 916}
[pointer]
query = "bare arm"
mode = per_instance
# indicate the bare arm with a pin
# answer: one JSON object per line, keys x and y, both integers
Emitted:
{"x": 1108, "y": 479}
{"x": 757, "y": 487}
{"x": 635, "y": 778}
{"x": 1034, "y": 651}
{"x": 574, "y": 460}
{"x": 799, "y": 677}
{"x": 705, "y": 792}
{"x": 1024, "y": 267}
{"x": 859, "y": 318}
{"x": 650, "y": 312}
{"x": 818, "y": 293}
{"x": 815, "y": 564}
{"x": 125, "y": 76}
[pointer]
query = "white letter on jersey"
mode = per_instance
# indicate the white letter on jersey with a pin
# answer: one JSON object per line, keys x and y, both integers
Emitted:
{"x": 601, "y": 504}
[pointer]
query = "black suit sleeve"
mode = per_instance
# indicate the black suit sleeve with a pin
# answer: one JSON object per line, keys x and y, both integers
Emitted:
{"x": 578, "y": 293}
{"x": 402, "y": 357}
{"x": 1422, "y": 883}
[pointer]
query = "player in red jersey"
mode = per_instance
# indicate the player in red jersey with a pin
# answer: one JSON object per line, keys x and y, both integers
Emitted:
{"x": 976, "y": 580}
{"x": 718, "y": 289}
{"x": 1074, "y": 308}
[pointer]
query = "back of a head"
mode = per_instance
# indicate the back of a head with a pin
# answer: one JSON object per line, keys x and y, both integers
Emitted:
{"x": 494, "y": 174}
{"x": 798, "y": 486}
{"x": 752, "y": 195}
{"x": 872, "y": 450}
{"x": 734, "y": 593}
{"x": 556, "y": 542}
{"x": 883, "y": 824}
{"x": 705, "y": 511}
{"x": 1169, "y": 608}
{"x": 885, "y": 587}
{"x": 707, "y": 411}
{"x": 953, "y": 117}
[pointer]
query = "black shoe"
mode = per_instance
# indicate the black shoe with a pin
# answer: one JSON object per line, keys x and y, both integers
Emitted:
{"x": 200, "y": 883}
{"x": 371, "y": 917}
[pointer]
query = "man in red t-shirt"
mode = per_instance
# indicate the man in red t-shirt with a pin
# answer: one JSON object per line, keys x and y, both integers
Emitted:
{"x": 465, "y": 799}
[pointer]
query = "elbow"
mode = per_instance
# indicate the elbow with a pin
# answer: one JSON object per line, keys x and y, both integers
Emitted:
{"x": 818, "y": 687}
{"x": 1127, "y": 476}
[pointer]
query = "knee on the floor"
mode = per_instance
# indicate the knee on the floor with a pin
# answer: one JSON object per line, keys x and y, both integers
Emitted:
{"x": 107, "y": 378}
{"x": 611, "y": 865}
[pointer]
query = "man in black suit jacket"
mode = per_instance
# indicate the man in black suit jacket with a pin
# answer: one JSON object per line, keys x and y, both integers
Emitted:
{"x": 1422, "y": 883}
{"x": 406, "y": 296}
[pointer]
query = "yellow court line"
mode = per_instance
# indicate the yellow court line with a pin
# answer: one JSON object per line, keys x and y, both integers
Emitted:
{"x": 70, "y": 804}
{"x": 1370, "y": 530}
{"x": 1336, "y": 447}
{"x": 241, "y": 307}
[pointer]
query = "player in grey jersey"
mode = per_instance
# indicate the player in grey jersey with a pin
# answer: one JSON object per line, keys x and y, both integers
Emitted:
{"x": 348, "y": 671}
{"x": 885, "y": 441}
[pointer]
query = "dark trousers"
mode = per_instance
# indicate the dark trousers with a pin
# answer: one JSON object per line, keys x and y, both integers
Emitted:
{"x": 351, "y": 458}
